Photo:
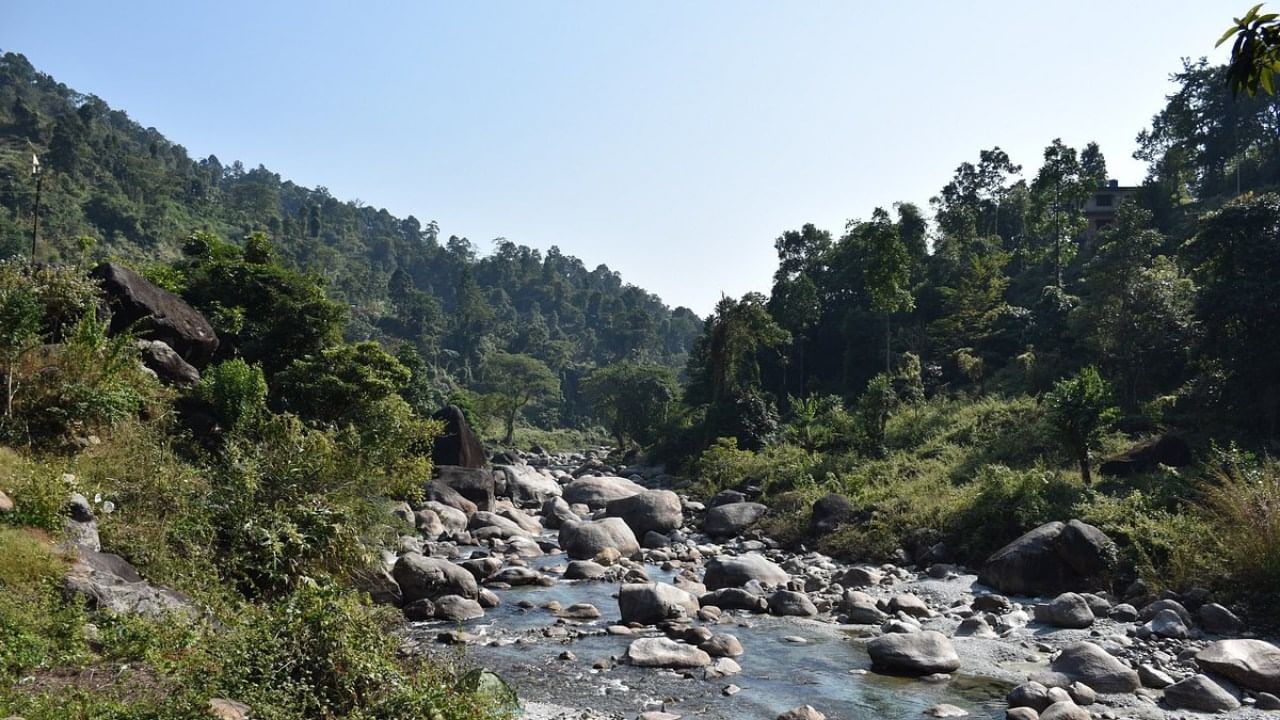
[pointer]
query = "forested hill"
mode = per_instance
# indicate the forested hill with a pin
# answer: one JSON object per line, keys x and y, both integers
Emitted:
{"x": 114, "y": 188}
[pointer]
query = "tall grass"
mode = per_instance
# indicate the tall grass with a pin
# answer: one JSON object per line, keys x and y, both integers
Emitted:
{"x": 1243, "y": 502}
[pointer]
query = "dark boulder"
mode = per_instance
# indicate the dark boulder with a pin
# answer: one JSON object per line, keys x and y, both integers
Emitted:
{"x": 830, "y": 512}
{"x": 456, "y": 445}
{"x": 440, "y": 492}
{"x": 475, "y": 484}
{"x": 1167, "y": 450}
{"x": 154, "y": 313}
{"x": 1055, "y": 557}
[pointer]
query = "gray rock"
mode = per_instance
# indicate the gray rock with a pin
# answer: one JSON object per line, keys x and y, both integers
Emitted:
{"x": 476, "y": 485}
{"x": 1124, "y": 612}
{"x": 527, "y": 487}
{"x": 584, "y": 570}
{"x": 1167, "y": 624}
{"x": 665, "y": 653}
{"x": 722, "y": 645}
{"x": 726, "y": 571}
{"x": 860, "y": 577}
{"x": 792, "y": 603}
{"x": 649, "y": 511}
{"x": 586, "y": 540}
{"x": 651, "y": 603}
{"x": 1029, "y": 694}
{"x": 1022, "y": 713}
{"x": 425, "y": 577}
{"x": 1253, "y": 664}
{"x": 1090, "y": 664}
{"x": 732, "y": 519}
{"x": 1064, "y": 710}
{"x": 1219, "y": 620}
{"x": 108, "y": 583}
{"x": 457, "y": 609}
{"x": 556, "y": 513}
{"x": 453, "y": 519}
{"x": 598, "y": 491}
{"x": 520, "y": 576}
{"x": 735, "y": 599}
{"x": 1198, "y": 692}
{"x": 921, "y": 653}
{"x": 1153, "y": 677}
{"x": 1070, "y": 610}
{"x": 1053, "y": 558}
{"x": 975, "y": 627}
{"x": 167, "y": 364}
{"x": 909, "y": 604}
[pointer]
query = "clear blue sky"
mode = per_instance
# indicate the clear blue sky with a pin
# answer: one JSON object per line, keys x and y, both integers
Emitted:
{"x": 671, "y": 140}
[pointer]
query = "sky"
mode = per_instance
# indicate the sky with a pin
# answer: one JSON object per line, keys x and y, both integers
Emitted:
{"x": 671, "y": 140}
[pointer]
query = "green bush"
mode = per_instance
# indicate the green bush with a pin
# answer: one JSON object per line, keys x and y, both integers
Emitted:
{"x": 37, "y": 627}
{"x": 1243, "y": 502}
{"x": 236, "y": 391}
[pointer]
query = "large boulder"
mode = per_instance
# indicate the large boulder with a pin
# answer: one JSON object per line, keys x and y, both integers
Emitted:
{"x": 734, "y": 572}
{"x": 167, "y": 364}
{"x": 457, "y": 445}
{"x": 1055, "y": 557}
{"x": 918, "y": 653}
{"x": 109, "y": 583}
{"x": 557, "y": 513}
{"x": 651, "y": 603}
{"x": 732, "y": 519}
{"x": 439, "y": 493}
{"x": 453, "y": 519}
{"x": 1167, "y": 450}
{"x": 426, "y": 577}
{"x": 1199, "y": 693}
{"x": 830, "y": 512}
{"x": 1253, "y": 664}
{"x": 650, "y": 511}
{"x": 733, "y": 598}
{"x": 526, "y": 486}
{"x": 661, "y": 652}
{"x": 585, "y": 540}
{"x": 597, "y": 491}
{"x": 154, "y": 313}
{"x": 1087, "y": 663}
{"x": 474, "y": 484}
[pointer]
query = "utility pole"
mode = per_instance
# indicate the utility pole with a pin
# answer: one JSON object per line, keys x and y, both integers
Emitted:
{"x": 35, "y": 213}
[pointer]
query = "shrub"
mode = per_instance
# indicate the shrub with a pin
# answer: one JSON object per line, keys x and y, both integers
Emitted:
{"x": 1244, "y": 502}
{"x": 37, "y": 628}
{"x": 236, "y": 390}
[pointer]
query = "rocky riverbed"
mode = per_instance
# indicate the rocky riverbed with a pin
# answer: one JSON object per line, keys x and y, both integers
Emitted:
{"x": 597, "y": 591}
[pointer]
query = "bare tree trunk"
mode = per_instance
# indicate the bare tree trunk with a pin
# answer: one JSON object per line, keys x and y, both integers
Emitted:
{"x": 1085, "y": 474}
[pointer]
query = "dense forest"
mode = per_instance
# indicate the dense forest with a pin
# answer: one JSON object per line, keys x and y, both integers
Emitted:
{"x": 114, "y": 189}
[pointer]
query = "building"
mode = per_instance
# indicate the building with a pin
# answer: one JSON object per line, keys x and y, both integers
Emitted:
{"x": 1100, "y": 208}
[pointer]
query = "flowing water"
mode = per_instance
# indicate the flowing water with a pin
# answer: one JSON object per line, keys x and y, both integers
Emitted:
{"x": 828, "y": 670}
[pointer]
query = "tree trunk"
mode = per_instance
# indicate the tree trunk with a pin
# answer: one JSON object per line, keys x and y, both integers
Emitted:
{"x": 888, "y": 366}
{"x": 511, "y": 429}
{"x": 1085, "y": 475}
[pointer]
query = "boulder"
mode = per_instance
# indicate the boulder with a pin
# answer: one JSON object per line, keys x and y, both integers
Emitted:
{"x": 153, "y": 313}
{"x": 586, "y": 540}
{"x": 726, "y": 497}
{"x": 651, "y": 603}
{"x": 1070, "y": 610}
{"x": 584, "y": 570}
{"x": 456, "y": 445}
{"x": 439, "y": 492}
{"x": 734, "y": 598}
{"x": 1163, "y": 450}
{"x": 1199, "y": 693}
{"x": 474, "y": 484}
{"x": 167, "y": 364}
{"x": 597, "y": 491}
{"x": 734, "y": 572}
{"x": 520, "y": 576}
{"x": 732, "y": 519}
{"x": 665, "y": 653}
{"x": 557, "y": 513}
{"x": 722, "y": 645}
{"x": 484, "y": 519}
{"x": 830, "y": 512}
{"x": 1219, "y": 620}
{"x": 108, "y": 583}
{"x": 1064, "y": 710}
{"x": 791, "y": 603}
{"x": 1168, "y": 624}
{"x": 382, "y": 588}
{"x": 860, "y": 577}
{"x": 453, "y": 519}
{"x": 920, "y": 653}
{"x": 1252, "y": 664}
{"x": 656, "y": 511}
{"x": 428, "y": 523}
{"x": 425, "y": 577}
{"x": 1091, "y": 665}
{"x": 457, "y": 609}
{"x": 527, "y": 487}
{"x": 1055, "y": 557}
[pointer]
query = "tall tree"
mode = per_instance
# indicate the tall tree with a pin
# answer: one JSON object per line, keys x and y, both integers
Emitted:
{"x": 514, "y": 383}
{"x": 887, "y": 272}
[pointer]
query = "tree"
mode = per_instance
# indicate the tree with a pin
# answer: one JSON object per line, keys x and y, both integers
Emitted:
{"x": 1234, "y": 257}
{"x": 514, "y": 382}
{"x": 1081, "y": 410}
{"x": 1255, "y": 54}
{"x": 632, "y": 399}
{"x": 887, "y": 272}
{"x": 340, "y": 384}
